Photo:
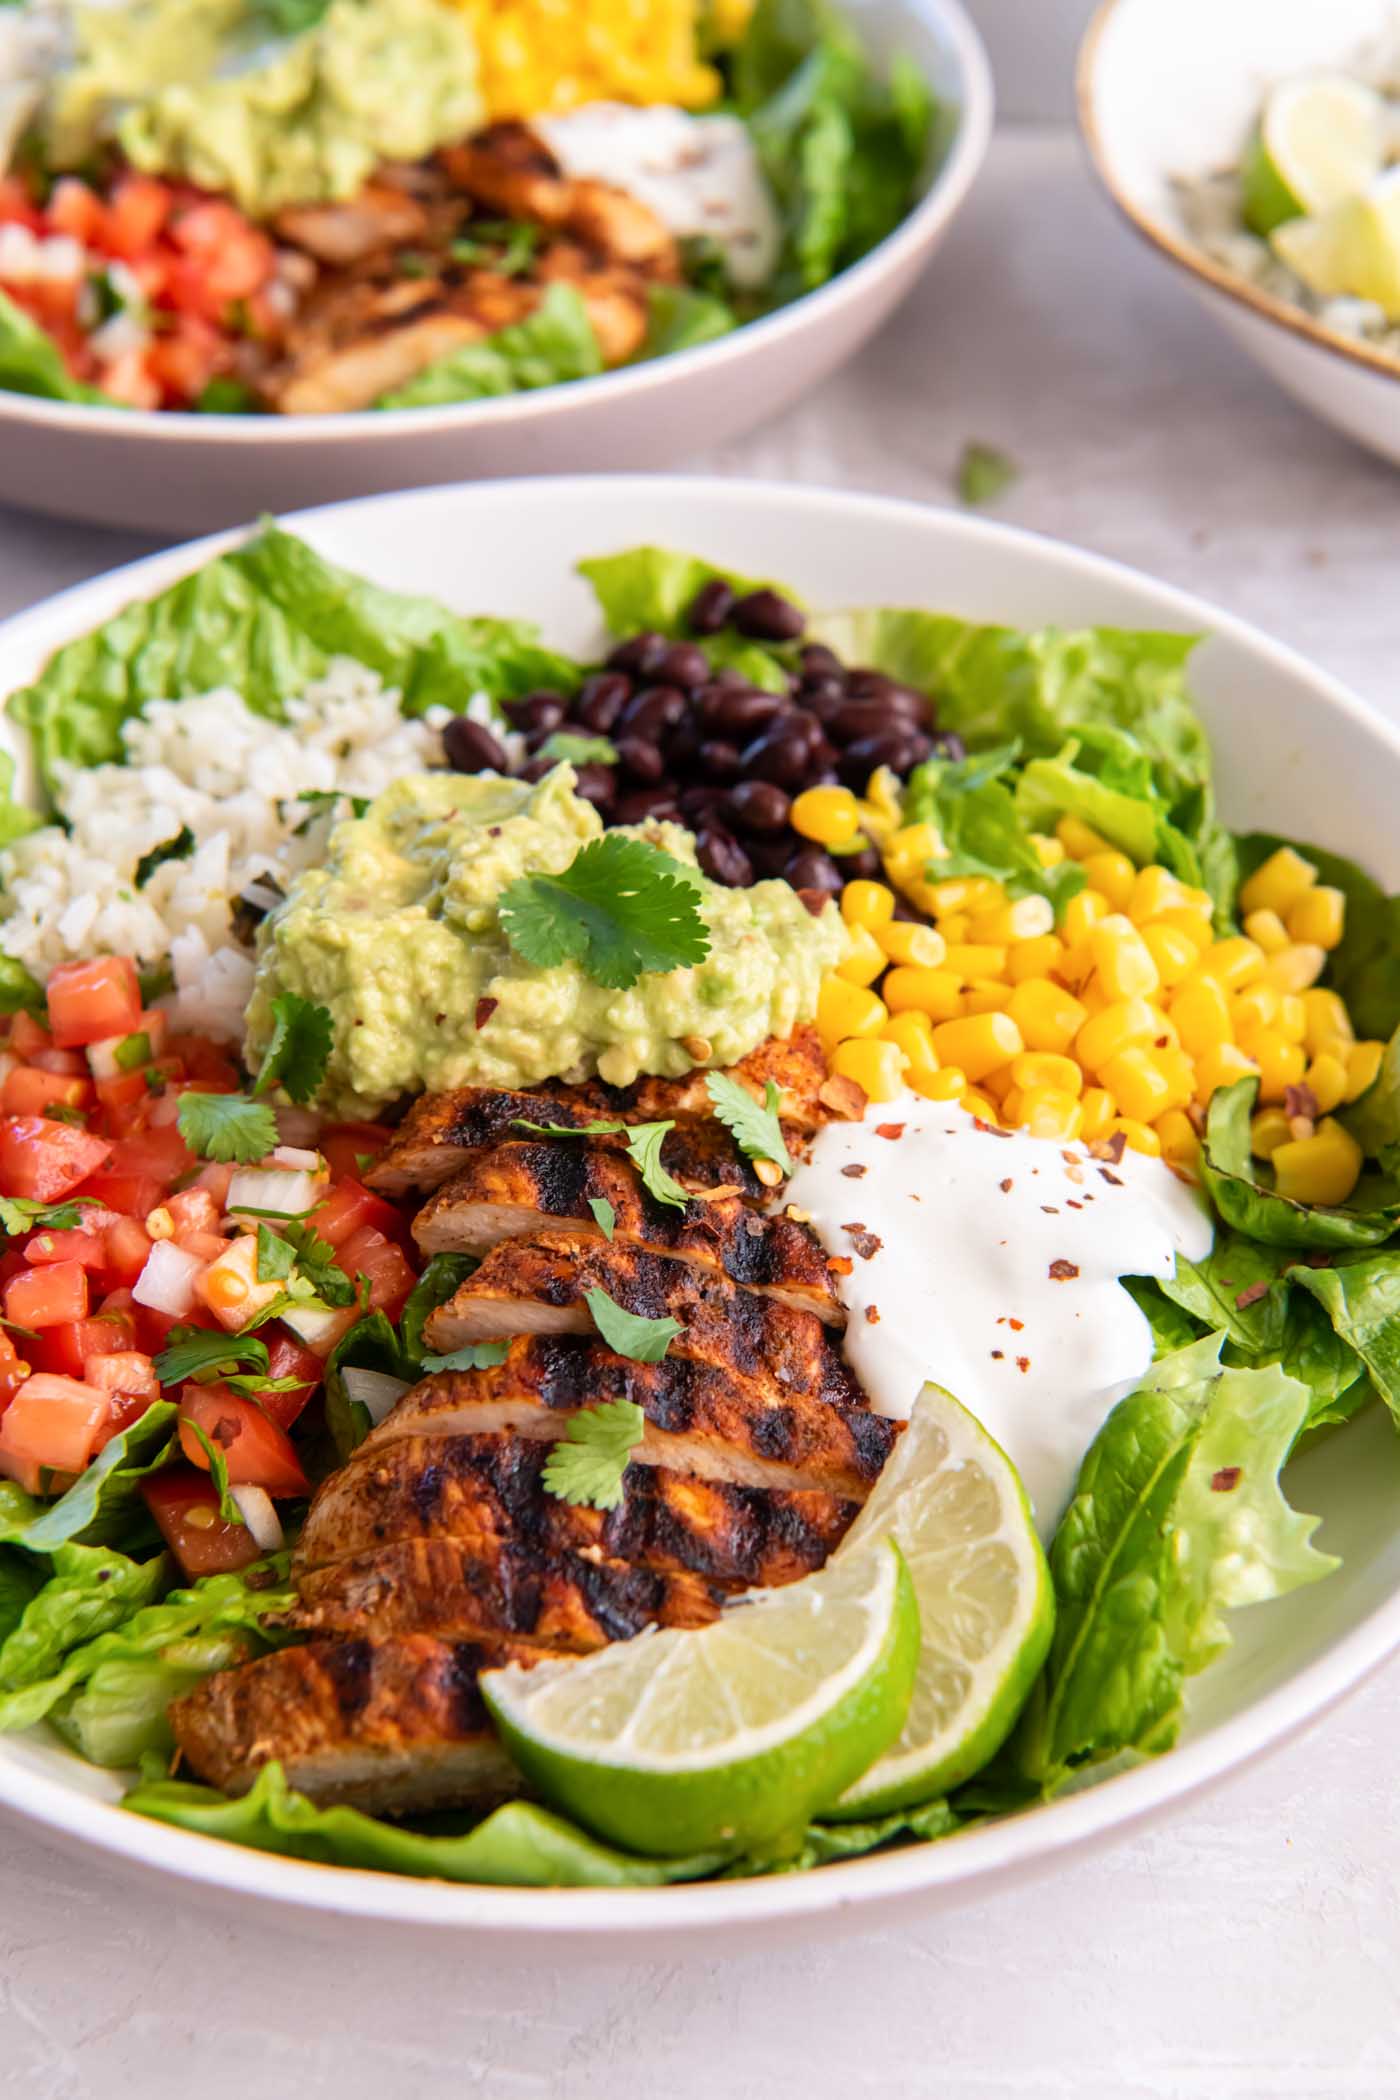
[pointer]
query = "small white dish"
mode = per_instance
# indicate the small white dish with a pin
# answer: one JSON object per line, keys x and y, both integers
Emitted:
{"x": 1174, "y": 87}
{"x": 1295, "y": 752}
{"x": 179, "y": 473}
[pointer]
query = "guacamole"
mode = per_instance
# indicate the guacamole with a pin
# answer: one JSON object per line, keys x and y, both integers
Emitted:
{"x": 188, "y": 94}
{"x": 399, "y": 935}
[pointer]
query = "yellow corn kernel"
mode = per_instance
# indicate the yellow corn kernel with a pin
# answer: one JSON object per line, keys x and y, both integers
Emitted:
{"x": 869, "y": 904}
{"x": 1324, "y": 1168}
{"x": 1024, "y": 919}
{"x": 946, "y": 1084}
{"x": 876, "y": 1066}
{"x": 953, "y": 925}
{"x": 1194, "y": 924}
{"x": 976, "y": 958}
{"x": 986, "y": 995}
{"x": 159, "y": 1224}
{"x": 937, "y": 993}
{"x": 1076, "y": 966}
{"x": 1174, "y": 952}
{"x": 1267, "y": 931}
{"x": 865, "y": 960}
{"x": 1143, "y": 1088}
{"x": 1099, "y": 1109}
{"x": 1236, "y": 962}
{"x": 1176, "y": 1134}
{"x": 1200, "y": 1014}
{"x": 1040, "y": 1068}
{"x": 1278, "y": 882}
{"x": 919, "y": 893}
{"x": 1049, "y": 1112}
{"x": 1319, "y": 915}
{"x": 1048, "y": 1017}
{"x": 1123, "y": 959}
{"x": 967, "y": 893}
{"x": 912, "y": 847}
{"x": 1034, "y": 958}
{"x": 1328, "y": 1022}
{"x": 1155, "y": 890}
{"x": 1281, "y": 1064}
{"x": 1112, "y": 874}
{"x": 1257, "y": 1006}
{"x": 904, "y": 942}
{"x": 1219, "y": 1067}
{"x": 1009, "y": 1104}
{"x": 1296, "y": 967}
{"x": 1002, "y": 1089}
{"x": 1268, "y": 1130}
{"x": 1081, "y": 915}
{"x": 980, "y": 1043}
{"x": 1141, "y": 1137}
{"x": 979, "y": 1104}
{"x": 1291, "y": 1020}
{"x": 1327, "y": 1081}
{"x": 884, "y": 802}
{"x": 1119, "y": 1027}
{"x": 1363, "y": 1068}
{"x": 828, "y": 815}
{"x": 1049, "y": 852}
{"x": 1078, "y": 840}
{"x": 845, "y": 1009}
{"x": 913, "y": 1032}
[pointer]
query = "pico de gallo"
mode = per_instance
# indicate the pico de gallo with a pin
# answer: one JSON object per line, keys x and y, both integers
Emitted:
{"x": 139, "y": 1268}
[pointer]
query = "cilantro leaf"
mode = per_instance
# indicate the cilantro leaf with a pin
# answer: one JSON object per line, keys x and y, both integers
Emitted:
{"x": 605, "y": 1217}
{"x": 984, "y": 473}
{"x": 621, "y": 908}
{"x": 589, "y": 1460}
{"x": 218, "y": 1469}
{"x": 299, "y": 1048}
{"x": 178, "y": 848}
{"x": 566, "y": 1129}
{"x": 227, "y": 1127}
{"x": 20, "y": 1214}
{"x": 315, "y": 1260}
{"x": 631, "y": 1334}
{"x": 474, "y": 1356}
{"x": 644, "y": 1142}
{"x": 275, "y": 1258}
{"x": 757, "y": 1130}
{"x": 579, "y": 750}
{"x": 321, "y": 802}
{"x": 193, "y": 1352}
{"x": 133, "y": 1051}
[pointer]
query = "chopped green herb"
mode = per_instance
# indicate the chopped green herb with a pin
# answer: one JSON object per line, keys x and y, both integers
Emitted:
{"x": 194, "y": 1352}
{"x": 588, "y": 1462}
{"x": 756, "y": 1128}
{"x": 275, "y": 1258}
{"x": 299, "y": 1048}
{"x": 504, "y": 246}
{"x": 156, "y": 982}
{"x": 475, "y": 1356}
{"x": 133, "y": 1051}
{"x": 20, "y": 1214}
{"x": 644, "y": 1142}
{"x": 605, "y": 1217}
{"x": 984, "y": 473}
{"x": 225, "y": 397}
{"x": 621, "y": 908}
{"x": 631, "y": 1334}
{"x": 178, "y": 848}
{"x": 323, "y": 802}
{"x": 227, "y": 1127}
{"x": 218, "y": 1470}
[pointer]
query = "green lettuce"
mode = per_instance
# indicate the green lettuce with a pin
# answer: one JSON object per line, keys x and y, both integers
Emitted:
{"x": 680, "y": 317}
{"x": 103, "y": 1506}
{"x": 555, "y": 343}
{"x": 653, "y": 588}
{"x": 1240, "y": 1190}
{"x": 434, "y": 1287}
{"x": 31, "y": 362}
{"x": 20, "y": 1582}
{"x": 1365, "y": 968}
{"x": 90, "y": 1590}
{"x": 1361, "y": 1300}
{"x": 980, "y": 823}
{"x": 370, "y": 1345}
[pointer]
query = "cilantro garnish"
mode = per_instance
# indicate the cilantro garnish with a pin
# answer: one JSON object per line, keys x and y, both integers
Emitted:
{"x": 631, "y": 1334}
{"x": 621, "y": 908}
{"x": 227, "y": 1127}
{"x": 178, "y": 848}
{"x": 320, "y": 802}
{"x": 218, "y": 1471}
{"x": 298, "y": 1049}
{"x": 984, "y": 473}
{"x": 588, "y": 1462}
{"x": 567, "y": 1129}
{"x": 238, "y": 1361}
{"x": 315, "y": 1260}
{"x": 644, "y": 1142}
{"x": 605, "y": 1217}
{"x": 133, "y": 1051}
{"x": 756, "y": 1128}
{"x": 578, "y": 750}
{"x": 475, "y": 1356}
{"x": 505, "y": 246}
{"x": 275, "y": 1258}
{"x": 20, "y": 1214}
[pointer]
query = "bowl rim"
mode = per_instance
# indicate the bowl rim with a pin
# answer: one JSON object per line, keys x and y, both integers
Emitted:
{"x": 961, "y": 1866}
{"x": 1177, "y": 249}
{"x": 965, "y": 151}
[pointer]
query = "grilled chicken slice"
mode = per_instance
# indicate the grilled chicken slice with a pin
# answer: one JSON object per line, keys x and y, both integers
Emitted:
{"x": 798, "y": 1423}
{"x": 354, "y": 375}
{"x": 488, "y": 1489}
{"x": 478, "y": 1588}
{"x": 391, "y": 1726}
{"x": 380, "y": 217}
{"x": 505, "y": 1193}
{"x": 510, "y": 169}
{"x": 441, "y": 1129}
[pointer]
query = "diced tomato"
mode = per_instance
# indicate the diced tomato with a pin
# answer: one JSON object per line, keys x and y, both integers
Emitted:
{"x": 163, "y": 1154}
{"x": 128, "y": 1090}
{"x": 127, "y": 1243}
{"x": 91, "y": 1000}
{"x": 46, "y": 1160}
{"x": 186, "y": 357}
{"x": 193, "y": 1210}
{"x": 368, "y": 1253}
{"x": 28, "y": 1036}
{"x": 122, "y": 1410}
{"x": 50, "y": 1423}
{"x": 16, "y": 206}
{"x": 71, "y": 1063}
{"x": 232, "y": 256}
{"x": 14, "y": 1369}
{"x": 134, "y": 1194}
{"x": 255, "y": 1450}
{"x": 186, "y": 1507}
{"x": 110, "y": 1331}
{"x": 347, "y": 1207}
{"x": 127, "y": 380}
{"x": 154, "y": 1329}
{"x": 47, "y": 1297}
{"x": 204, "y": 1061}
{"x": 215, "y": 1179}
{"x": 126, "y": 1371}
{"x": 29, "y": 1092}
{"x": 287, "y": 1358}
{"x": 345, "y": 1144}
{"x": 76, "y": 210}
{"x": 86, "y": 1248}
{"x": 136, "y": 213}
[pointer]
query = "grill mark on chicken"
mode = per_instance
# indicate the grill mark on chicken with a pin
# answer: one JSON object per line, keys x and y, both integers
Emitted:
{"x": 511, "y": 170}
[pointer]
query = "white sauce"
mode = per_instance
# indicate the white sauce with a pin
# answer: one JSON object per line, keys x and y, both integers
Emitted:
{"x": 996, "y": 1273}
{"x": 700, "y": 175}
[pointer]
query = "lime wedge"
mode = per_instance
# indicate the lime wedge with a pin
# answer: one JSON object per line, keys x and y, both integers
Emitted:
{"x": 731, "y": 1736}
{"x": 1351, "y": 251}
{"x": 954, "y": 1504}
{"x": 1321, "y": 139}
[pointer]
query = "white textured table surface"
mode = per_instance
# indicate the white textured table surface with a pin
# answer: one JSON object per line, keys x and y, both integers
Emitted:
{"x": 1245, "y": 1951}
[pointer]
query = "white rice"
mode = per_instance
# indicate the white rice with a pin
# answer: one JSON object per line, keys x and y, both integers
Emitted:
{"x": 233, "y": 778}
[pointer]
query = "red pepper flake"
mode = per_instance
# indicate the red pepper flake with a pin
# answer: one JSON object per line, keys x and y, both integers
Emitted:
{"x": 989, "y": 1129}
{"x": 1110, "y": 1148}
{"x": 1227, "y": 1478}
{"x": 889, "y": 1130}
{"x": 227, "y": 1430}
{"x": 866, "y": 1243}
{"x": 1051, "y": 1210}
{"x": 840, "y": 1264}
{"x": 1005, "y": 1186}
{"x": 872, "y": 1314}
{"x": 1063, "y": 1271}
{"x": 484, "y": 1010}
{"x": 1300, "y": 1101}
{"x": 1319, "y": 1258}
{"x": 998, "y": 1354}
{"x": 1015, "y": 1325}
{"x": 1070, "y": 1204}
{"x": 1115, "y": 1180}
{"x": 1251, "y": 1295}
{"x": 853, "y": 1173}
{"x": 1023, "y": 1363}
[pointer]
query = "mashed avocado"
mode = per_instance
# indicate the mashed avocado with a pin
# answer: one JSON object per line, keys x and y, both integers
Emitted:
{"x": 188, "y": 92}
{"x": 400, "y": 936}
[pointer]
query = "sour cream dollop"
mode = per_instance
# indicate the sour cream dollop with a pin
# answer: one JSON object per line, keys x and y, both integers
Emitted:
{"x": 700, "y": 175}
{"x": 989, "y": 1261}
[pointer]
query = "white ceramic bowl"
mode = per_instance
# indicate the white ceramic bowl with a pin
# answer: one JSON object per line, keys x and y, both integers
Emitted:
{"x": 189, "y": 473}
{"x": 1174, "y": 87}
{"x": 1296, "y": 752}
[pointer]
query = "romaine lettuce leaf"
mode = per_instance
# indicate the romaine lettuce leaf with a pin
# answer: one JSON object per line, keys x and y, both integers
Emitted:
{"x": 20, "y": 1582}
{"x": 1236, "y": 1185}
{"x": 1365, "y": 969}
{"x": 31, "y": 363}
{"x": 90, "y": 1590}
{"x": 555, "y": 343}
{"x": 680, "y": 317}
{"x": 1361, "y": 1299}
{"x": 652, "y": 588}
{"x": 980, "y": 823}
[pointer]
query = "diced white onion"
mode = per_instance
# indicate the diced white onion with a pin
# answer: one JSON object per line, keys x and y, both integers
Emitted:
{"x": 299, "y": 1160}
{"x": 376, "y": 1391}
{"x": 255, "y": 1508}
{"x": 274, "y": 1191}
{"x": 166, "y": 1283}
{"x": 320, "y": 1330}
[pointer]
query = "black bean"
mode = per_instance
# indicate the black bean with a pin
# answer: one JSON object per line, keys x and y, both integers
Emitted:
{"x": 822, "y": 706}
{"x": 820, "y": 685}
{"x": 685, "y": 664}
{"x": 710, "y": 608}
{"x": 643, "y": 803}
{"x": 535, "y": 769}
{"x": 859, "y": 718}
{"x": 810, "y": 868}
{"x": 865, "y": 866}
{"x": 765, "y": 617}
{"x": 682, "y": 745}
{"x": 819, "y": 661}
{"x": 722, "y": 858}
{"x": 654, "y": 709}
{"x": 597, "y": 784}
{"x": 860, "y": 759}
{"x": 697, "y": 802}
{"x": 641, "y": 653}
{"x": 769, "y": 856}
{"x": 900, "y": 699}
{"x": 601, "y": 700}
{"x": 779, "y": 756}
{"x": 469, "y": 747}
{"x": 758, "y": 806}
{"x": 542, "y": 710}
{"x": 720, "y": 760}
{"x": 730, "y": 675}
{"x": 640, "y": 759}
{"x": 739, "y": 711}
